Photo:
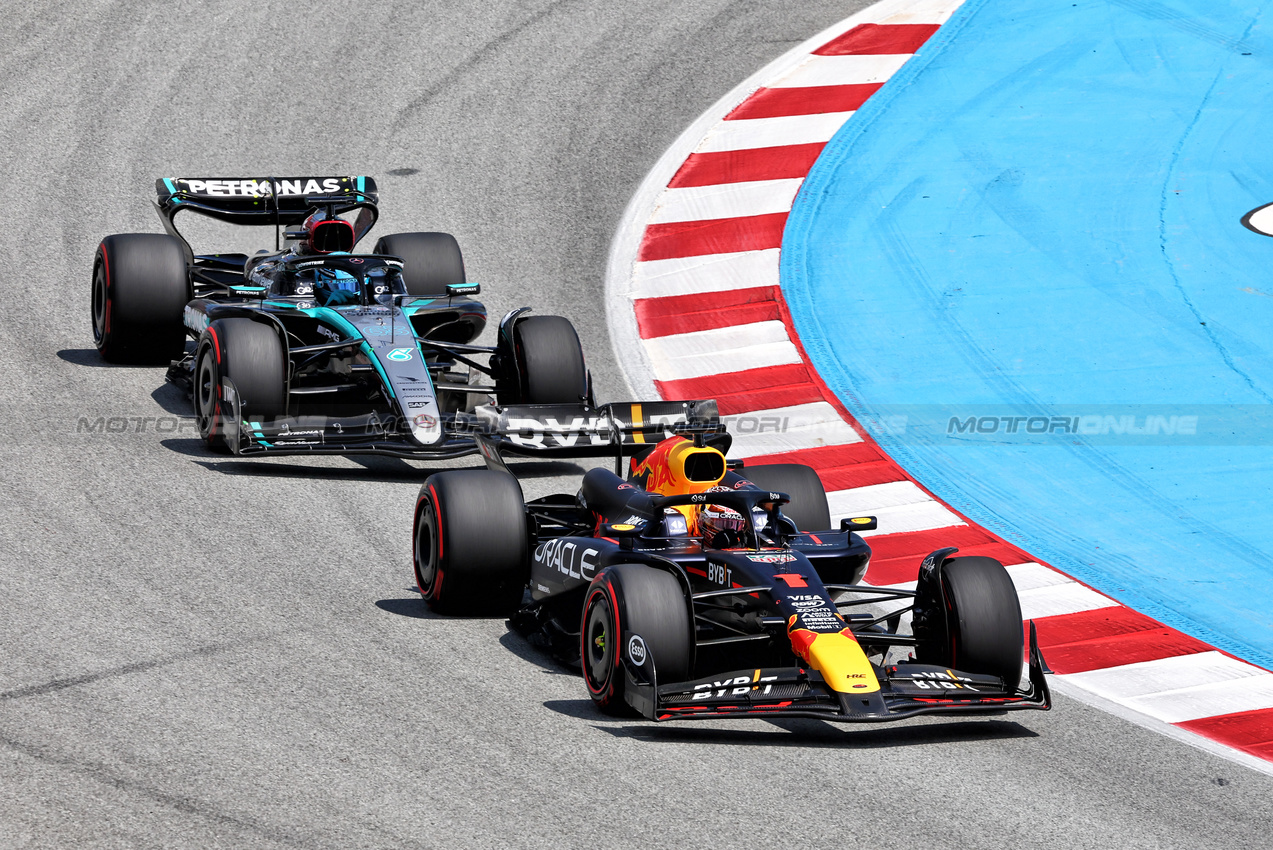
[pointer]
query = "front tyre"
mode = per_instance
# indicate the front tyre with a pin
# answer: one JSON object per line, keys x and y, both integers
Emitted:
{"x": 251, "y": 355}
{"x": 140, "y": 288}
{"x": 470, "y": 542}
{"x": 983, "y": 621}
{"x": 430, "y": 261}
{"x": 808, "y": 507}
{"x": 551, "y": 361}
{"x": 629, "y": 604}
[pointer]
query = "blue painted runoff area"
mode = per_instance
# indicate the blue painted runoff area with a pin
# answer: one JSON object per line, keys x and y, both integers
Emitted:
{"x": 1022, "y": 265}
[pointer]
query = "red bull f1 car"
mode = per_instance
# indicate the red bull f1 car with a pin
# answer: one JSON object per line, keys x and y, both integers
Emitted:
{"x": 313, "y": 348}
{"x": 693, "y": 587}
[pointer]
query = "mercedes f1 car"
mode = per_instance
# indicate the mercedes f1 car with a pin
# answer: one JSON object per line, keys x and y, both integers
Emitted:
{"x": 696, "y": 588}
{"x": 311, "y": 348}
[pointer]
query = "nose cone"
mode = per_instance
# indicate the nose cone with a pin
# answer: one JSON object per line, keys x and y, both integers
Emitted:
{"x": 839, "y": 658}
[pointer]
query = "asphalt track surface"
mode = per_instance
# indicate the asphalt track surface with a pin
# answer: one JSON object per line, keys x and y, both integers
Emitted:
{"x": 203, "y": 651}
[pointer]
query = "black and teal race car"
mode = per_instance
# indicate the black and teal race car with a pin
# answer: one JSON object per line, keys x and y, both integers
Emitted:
{"x": 313, "y": 348}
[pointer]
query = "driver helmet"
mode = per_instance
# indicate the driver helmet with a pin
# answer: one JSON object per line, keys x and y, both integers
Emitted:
{"x": 718, "y": 519}
{"x": 324, "y": 235}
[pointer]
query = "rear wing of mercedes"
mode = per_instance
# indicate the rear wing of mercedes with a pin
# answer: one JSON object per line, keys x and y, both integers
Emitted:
{"x": 265, "y": 201}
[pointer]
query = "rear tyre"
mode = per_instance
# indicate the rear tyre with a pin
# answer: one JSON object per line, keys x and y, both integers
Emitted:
{"x": 631, "y": 604}
{"x": 140, "y": 288}
{"x": 983, "y": 621}
{"x": 551, "y": 360}
{"x": 808, "y": 506}
{"x": 470, "y": 542}
{"x": 430, "y": 261}
{"x": 251, "y": 355}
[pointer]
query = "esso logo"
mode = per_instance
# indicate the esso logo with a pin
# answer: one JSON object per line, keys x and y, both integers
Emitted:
{"x": 636, "y": 650}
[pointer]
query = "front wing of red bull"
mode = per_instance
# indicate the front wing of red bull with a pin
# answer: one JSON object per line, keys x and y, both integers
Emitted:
{"x": 905, "y": 690}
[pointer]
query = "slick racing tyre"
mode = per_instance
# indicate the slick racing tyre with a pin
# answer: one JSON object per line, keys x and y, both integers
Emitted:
{"x": 983, "y": 621}
{"x": 808, "y": 506}
{"x": 470, "y": 542}
{"x": 430, "y": 261}
{"x": 140, "y": 288}
{"x": 251, "y": 355}
{"x": 551, "y": 361}
{"x": 636, "y": 612}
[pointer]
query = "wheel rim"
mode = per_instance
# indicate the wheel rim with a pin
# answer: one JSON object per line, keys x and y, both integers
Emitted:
{"x": 599, "y": 643}
{"x": 99, "y": 305}
{"x": 205, "y": 392}
{"x": 426, "y": 553}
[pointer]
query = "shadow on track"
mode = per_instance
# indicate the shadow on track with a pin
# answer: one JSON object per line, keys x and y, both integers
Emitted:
{"x": 806, "y": 733}
{"x": 90, "y": 357}
{"x": 411, "y": 606}
{"x": 173, "y": 400}
{"x": 541, "y": 657}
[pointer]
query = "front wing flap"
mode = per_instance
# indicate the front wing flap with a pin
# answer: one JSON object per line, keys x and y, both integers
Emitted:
{"x": 568, "y": 430}
{"x": 906, "y": 690}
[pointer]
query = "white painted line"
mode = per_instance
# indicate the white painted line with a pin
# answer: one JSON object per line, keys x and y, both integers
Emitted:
{"x": 923, "y": 516}
{"x": 1069, "y": 597}
{"x": 721, "y": 351}
{"x": 709, "y": 273}
{"x": 750, "y": 133}
{"x": 1184, "y": 687}
{"x": 1029, "y": 575}
{"x": 910, "y": 12}
{"x": 813, "y": 415}
{"x": 1228, "y": 697}
{"x": 722, "y": 362}
{"x": 787, "y": 429}
{"x": 842, "y": 70}
{"x": 865, "y": 501}
{"x": 728, "y": 200}
{"x": 1164, "y": 674}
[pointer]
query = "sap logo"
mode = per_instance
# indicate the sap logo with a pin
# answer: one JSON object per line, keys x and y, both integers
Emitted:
{"x": 568, "y": 558}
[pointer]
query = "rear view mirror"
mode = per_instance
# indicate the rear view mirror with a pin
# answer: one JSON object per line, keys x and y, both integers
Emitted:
{"x": 454, "y": 289}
